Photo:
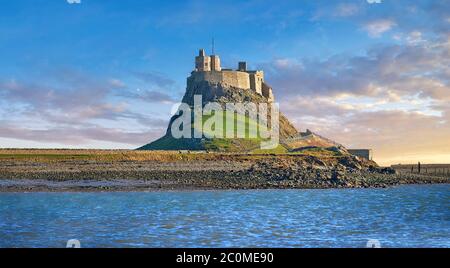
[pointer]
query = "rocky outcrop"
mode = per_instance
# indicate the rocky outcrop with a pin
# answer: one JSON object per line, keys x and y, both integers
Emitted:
{"x": 222, "y": 94}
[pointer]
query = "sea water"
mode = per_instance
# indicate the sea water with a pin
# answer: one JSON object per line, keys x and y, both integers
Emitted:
{"x": 404, "y": 216}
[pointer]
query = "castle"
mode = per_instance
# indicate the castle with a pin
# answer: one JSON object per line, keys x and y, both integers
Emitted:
{"x": 207, "y": 68}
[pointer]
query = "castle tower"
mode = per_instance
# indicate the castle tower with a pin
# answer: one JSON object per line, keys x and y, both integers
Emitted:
{"x": 203, "y": 62}
{"x": 256, "y": 80}
{"x": 215, "y": 60}
{"x": 207, "y": 68}
{"x": 215, "y": 63}
{"x": 242, "y": 66}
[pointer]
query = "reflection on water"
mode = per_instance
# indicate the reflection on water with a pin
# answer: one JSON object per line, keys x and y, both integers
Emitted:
{"x": 406, "y": 216}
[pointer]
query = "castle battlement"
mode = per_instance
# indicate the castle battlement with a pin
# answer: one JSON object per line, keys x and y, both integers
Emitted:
{"x": 207, "y": 68}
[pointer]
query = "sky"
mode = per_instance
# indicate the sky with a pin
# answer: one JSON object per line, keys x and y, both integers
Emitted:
{"x": 106, "y": 74}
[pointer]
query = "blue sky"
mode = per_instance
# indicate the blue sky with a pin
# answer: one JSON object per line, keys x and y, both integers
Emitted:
{"x": 105, "y": 74}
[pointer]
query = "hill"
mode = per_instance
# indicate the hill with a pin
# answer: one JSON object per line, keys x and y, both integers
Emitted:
{"x": 224, "y": 87}
{"x": 221, "y": 94}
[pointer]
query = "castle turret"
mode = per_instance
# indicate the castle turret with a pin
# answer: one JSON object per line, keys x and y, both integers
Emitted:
{"x": 242, "y": 66}
{"x": 215, "y": 63}
{"x": 207, "y": 68}
{"x": 203, "y": 62}
{"x": 256, "y": 80}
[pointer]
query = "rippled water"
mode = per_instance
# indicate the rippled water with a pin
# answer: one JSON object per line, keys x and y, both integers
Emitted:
{"x": 406, "y": 216}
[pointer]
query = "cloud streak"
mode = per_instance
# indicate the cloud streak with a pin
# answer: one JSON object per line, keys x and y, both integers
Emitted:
{"x": 77, "y": 136}
{"x": 71, "y": 108}
{"x": 378, "y": 27}
{"x": 395, "y": 99}
{"x": 401, "y": 70}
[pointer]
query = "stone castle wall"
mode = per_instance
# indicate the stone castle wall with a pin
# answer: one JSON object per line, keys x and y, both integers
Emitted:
{"x": 266, "y": 91}
{"x": 256, "y": 81}
{"x": 215, "y": 63}
{"x": 230, "y": 78}
{"x": 207, "y": 68}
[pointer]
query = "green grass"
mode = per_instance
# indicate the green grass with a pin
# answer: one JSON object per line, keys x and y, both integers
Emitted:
{"x": 247, "y": 144}
{"x": 318, "y": 151}
{"x": 280, "y": 149}
{"x": 222, "y": 144}
{"x": 213, "y": 142}
{"x": 46, "y": 156}
{"x": 232, "y": 149}
{"x": 239, "y": 120}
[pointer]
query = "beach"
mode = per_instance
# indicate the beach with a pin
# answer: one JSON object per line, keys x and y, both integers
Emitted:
{"x": 127, "y": 170}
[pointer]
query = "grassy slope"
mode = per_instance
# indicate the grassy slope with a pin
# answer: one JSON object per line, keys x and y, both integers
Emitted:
{"x": 247, "y": 144}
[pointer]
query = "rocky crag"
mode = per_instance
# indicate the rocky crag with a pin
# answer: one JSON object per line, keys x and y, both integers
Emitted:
{"x": 222, "y": 94}
{"x": 224, "y": 86}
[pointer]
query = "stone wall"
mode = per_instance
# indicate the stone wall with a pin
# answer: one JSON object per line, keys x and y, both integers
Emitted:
{"x": 266, "y": 91}
{"x": 215, "y": 63}
{"x": 256, "y": 80}
{"x": 252, "y": 80}
{"x": 364, "y": 153}
{"x": 230, "y": 78}
{"x": 203, "y": 63}
{"x": 237, "y": 79}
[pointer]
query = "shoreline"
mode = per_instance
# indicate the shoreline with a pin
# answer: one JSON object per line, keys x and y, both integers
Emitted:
{"x": 121, "y": 171}
{"x": 131, "y": 189}
{"x": 140, "y": 181}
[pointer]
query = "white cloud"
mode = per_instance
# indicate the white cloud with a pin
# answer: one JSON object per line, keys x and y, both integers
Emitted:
{"x": 394, "y": 99}
{"x": 346, "y": 10}
{"x": 395, "y": 71}
{"x": 116, "y": 83}
{"x": 414, "y": 38}
{"x": 283, "y": 63}
{"x": 396, "y": 135}
{"x": 378, "y": 27}
{"x": 374, "y": 1}
{"x": 74, "y": 1}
